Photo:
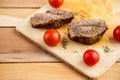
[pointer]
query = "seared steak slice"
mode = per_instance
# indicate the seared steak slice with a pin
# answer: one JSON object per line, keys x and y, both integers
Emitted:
{"x": 45, "y": 20}
{"x": 51, "y": 19}
{"x": 87, "y": 31}
{"x": 65, "y": 15}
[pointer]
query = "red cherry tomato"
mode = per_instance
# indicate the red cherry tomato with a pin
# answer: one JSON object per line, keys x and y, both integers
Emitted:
{"x": 56, "y": 3}
{"x": 51, "y": 37}
{"x": 91, "y": 57}
{"x": 116, "y": 33}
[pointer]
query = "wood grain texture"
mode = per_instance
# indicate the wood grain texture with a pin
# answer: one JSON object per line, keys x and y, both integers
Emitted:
{"x": 16, "y": 48}
{"x": 22, "y": 3}
{"x": 20, "y": 13}
{"x": 35, "y": 71}
{"x": 49, "y": 71}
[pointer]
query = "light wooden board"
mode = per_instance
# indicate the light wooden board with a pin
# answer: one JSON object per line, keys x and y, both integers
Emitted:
{"x": 9, "y": 21}
{"x": 73, "y": 55}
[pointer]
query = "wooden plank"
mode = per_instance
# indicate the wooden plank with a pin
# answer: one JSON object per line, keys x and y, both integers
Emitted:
{"x": 26, "y": 57}
{"x": 22, "y": 3}
{"x": 16, "y": 48}
{"x": 39, "y": 71}
{"x": 49, "y": 71}
{"x": 22, "y": 13}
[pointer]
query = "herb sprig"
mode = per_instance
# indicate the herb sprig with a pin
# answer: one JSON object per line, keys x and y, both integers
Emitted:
{"x": 107, "y": 49}
{"x": 64, "y": 43}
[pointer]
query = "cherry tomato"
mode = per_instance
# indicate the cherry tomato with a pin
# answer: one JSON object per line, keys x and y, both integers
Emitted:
{"x": 91, "y": 57}
{"x": 51, "y": 37}
{"x": 116, "y": 33}
{"x": 56, "y": 3}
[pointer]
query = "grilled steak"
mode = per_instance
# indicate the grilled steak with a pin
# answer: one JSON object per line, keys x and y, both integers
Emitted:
{"x": 87, "y": 31}
{"x": 45, "y": 20}
{"x": 54, "y": 18}
{"x": 65, "y": 15}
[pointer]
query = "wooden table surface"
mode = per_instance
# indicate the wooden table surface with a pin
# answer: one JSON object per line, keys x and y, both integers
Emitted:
{"x": 20, "y": 59}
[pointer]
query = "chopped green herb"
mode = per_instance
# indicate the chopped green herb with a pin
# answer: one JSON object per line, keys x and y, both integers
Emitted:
{"x": 107, "y": 49}
{"x": 64, "y": 43}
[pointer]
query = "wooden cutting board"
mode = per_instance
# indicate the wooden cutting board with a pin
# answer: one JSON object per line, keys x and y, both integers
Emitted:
{"x": 72, "y": 55}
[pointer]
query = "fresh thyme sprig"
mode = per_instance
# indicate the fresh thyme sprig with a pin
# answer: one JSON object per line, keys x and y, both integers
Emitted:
{"x": 64, "y": 43}
{"x": 107, "y": 49}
